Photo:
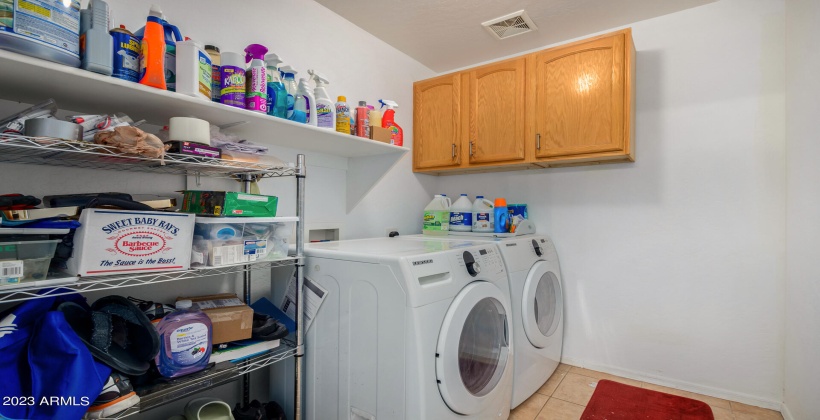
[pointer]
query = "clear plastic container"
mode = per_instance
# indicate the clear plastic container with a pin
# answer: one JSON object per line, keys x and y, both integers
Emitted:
{"x": 22, "y": 261}
{"x": 222, "y": 241}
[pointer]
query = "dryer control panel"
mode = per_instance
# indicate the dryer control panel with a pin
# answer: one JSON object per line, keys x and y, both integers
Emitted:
{"x": 485, "y": 261}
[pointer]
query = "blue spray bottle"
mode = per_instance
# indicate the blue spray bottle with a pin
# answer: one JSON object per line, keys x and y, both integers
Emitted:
{"x": 277, "y": 94}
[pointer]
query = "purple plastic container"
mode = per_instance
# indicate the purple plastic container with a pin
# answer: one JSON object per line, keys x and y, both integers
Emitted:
{"x": 186, "y": 337}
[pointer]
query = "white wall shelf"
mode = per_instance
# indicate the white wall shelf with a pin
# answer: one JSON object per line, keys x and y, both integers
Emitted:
{"x": 31, "y": 80}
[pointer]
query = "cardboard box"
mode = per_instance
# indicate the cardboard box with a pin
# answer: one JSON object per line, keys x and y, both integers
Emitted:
{"x": 231, "y": 319}
{"x": 226, "y": 203}
{"x": 125, "y": 241}
{"x": 380, "y": 134}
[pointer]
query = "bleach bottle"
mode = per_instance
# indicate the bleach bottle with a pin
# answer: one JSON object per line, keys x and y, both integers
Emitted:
{"x": 186, "y": 337}
{"x": 483, "y": 218}
{"x": 256, "y": 91}
{"x": 437, "y": 216}
{"x": 277, "y": 94}
{"x": 325, "y": 108}
{"x": 288, "y": 74}
{"x": 461, "y": 215}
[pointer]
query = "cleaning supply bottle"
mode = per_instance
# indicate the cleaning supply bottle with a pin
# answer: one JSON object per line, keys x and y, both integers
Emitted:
{"x": 126, "y": 54}
{"x": 362, "y": 120}
{"x": 256, "y": 80}
{"x": 152, "y": 55}
{"x": 437, "y": 216}
{"x": 277, "y": 94}
{"x": 193, "y": 70}
{"x": 483, "y": 216}
{"x": 96, "y": 44}
{"x": 304, "y": 107}
{"x": 216, "y": 61}
{"x": 375, "y": 117}
{"x": 461, "y": 215}
{"x": 288, "y": 74}
{"x": 172, "y": 35}
{"x": 342, "y": 115}
{"x": 388, "y": 122}
{"x": 325, "y": 108}
{"x": 186, "y": 337}
{"x": 232, "y": 80}
{"x": 501, "y": 216}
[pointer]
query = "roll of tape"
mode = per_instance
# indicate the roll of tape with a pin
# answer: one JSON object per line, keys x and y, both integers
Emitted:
{"x": 189, "y": 129}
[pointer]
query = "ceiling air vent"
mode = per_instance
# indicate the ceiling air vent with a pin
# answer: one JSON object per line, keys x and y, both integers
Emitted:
{"x": 510, "y": 25}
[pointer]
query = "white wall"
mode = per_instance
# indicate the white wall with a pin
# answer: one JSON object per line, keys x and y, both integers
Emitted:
{"x": 803, "y": 201}
{"x": 673, "y": 266}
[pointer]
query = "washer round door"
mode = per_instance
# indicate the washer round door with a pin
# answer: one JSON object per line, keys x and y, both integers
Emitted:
{"x": 473, "y": 348}
{"x": 542, "y": 304}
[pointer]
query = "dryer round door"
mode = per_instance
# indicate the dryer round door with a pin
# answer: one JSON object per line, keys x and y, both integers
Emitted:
{"x": 542, "y": 304}
{"x": 473, "y": 348}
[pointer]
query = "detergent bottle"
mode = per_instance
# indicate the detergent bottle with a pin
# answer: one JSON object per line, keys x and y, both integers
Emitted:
{"x": 288, "y": 74}
{"x": 152, "y": 54}
{"x": 171, "y": 36}
{"x": 437, "y": 216}
{"x": 187, "y": 337}
{"x": 388, "y": 122}
{"x": 461, "y": 215}
{"x": 325, "y": 108}
{"x": 483, "y": 217}
{"x": 501, "y": 216}
{"x": 256, "y": 93}
{"x": 277, "y": 94}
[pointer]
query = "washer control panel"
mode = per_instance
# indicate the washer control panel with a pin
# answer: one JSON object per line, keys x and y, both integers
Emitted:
{"x": 484, "y": 260}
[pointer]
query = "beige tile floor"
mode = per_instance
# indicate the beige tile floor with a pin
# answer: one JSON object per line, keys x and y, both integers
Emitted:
{"x": 567, "y": 392}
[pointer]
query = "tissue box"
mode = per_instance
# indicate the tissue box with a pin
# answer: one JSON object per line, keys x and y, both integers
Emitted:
{"x": 231, "y": 319}
{"x": 124, "y": 241}
{"x": 225, "y": 203}
{"x": 222, "y": 241}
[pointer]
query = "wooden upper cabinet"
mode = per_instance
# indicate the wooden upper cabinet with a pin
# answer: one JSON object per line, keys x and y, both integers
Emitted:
{"x": 581, "y": 95}
{"x": 437, "y": 122}
{"x": 497, "y": 112}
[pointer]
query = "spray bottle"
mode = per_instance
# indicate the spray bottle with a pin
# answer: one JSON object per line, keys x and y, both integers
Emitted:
{"x": 277, "y": 94}
{"x": 288, "y": 80}
{"x": 304, "y": 105}
{"x": 152, "y": 52}
{"x": 388, "y": 122}
{"x": 325, "y": 108}
{"x": 256, "y": 93}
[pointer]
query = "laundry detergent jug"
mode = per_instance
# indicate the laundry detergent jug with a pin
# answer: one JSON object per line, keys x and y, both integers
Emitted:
{"x": 461, "y": 215}
{"x": 437, "y": 216}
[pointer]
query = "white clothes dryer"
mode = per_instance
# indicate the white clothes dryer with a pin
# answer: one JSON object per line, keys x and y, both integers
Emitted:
{"x": 408, "y": 330}
{"x": 536, "y": 293}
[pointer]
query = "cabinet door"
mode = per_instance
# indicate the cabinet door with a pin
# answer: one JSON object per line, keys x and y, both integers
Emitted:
{"x": 579, "y": 106}
{"x": 436, "y": 122}
{"x": 497, "y": 112}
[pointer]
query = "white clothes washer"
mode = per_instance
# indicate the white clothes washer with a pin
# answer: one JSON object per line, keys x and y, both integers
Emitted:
{"x": 537, "y": 302}
{"x": 408, "y": 330}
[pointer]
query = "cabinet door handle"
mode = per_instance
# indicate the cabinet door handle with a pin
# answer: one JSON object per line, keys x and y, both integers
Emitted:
{"x": 454, "y": 150}
{"x": 538, "y": 141}
{"x": 471, "y": 148}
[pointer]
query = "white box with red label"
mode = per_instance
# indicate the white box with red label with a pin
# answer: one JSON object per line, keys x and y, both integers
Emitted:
{"x": 124, "y": 241}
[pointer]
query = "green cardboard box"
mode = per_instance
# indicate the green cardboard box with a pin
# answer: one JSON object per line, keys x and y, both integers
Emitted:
{"x": 230, "y": 204}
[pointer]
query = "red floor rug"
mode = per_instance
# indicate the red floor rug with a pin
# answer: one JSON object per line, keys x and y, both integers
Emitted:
{"x": 616, "y": 401}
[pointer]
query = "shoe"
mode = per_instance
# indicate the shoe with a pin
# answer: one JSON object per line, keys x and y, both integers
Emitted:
{"x": 117, "y": 396}
{"x": 266, "y": 328}
{"x": 274, "y": 411}
{"x": 252, "y": 411}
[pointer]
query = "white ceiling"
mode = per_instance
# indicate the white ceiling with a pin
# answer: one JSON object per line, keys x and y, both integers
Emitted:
{"x": 447, "y": 34}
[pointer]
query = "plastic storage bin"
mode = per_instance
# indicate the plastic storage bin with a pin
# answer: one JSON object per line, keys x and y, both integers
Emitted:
{"x": 22, "y": 261}
{"x": 222, "y": 241}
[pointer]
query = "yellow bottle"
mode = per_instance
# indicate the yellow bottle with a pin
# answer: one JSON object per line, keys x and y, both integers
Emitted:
{"x": 342, "y": 115}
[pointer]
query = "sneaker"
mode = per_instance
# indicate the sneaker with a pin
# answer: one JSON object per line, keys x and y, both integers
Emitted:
{"x": 266, "y": 328}
{"x": 117, "y": 395}
{"x": 252, "y": 411}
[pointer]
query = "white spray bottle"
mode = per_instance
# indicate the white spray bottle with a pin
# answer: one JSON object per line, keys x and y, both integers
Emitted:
{"x": 325, "y": 107}
{"x": 304, "y": 105}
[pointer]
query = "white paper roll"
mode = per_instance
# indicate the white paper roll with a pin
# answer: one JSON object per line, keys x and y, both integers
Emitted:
{"x": 189, "y": 129}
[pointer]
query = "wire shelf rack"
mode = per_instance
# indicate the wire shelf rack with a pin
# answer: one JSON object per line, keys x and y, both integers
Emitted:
{"x": 56, "y": 152}
{"x": 220, "y": 374}
{"x": 58, "y": 287}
